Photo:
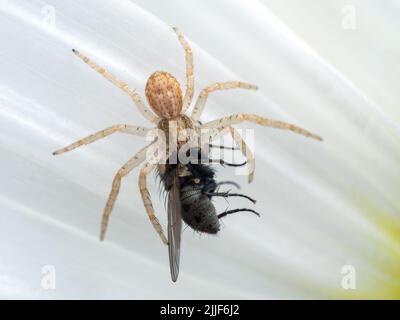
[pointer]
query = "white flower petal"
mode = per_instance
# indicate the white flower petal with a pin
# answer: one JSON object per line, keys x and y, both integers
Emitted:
{"x": 324, "y": 205}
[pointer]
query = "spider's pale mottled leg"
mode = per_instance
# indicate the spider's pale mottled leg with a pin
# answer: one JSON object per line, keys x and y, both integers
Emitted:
{"x": 245, "y": 151}
{"x": 147, "y": 168}
{"x": 122, "y": 85}
{"x": 237, "y": 118}
{"x": 201, "y": 100}
{"x": 211, "y": 133}
{"x": 135, "y": 130}
{"x": 189, "y": 71}
{"x": 126, "y": 168}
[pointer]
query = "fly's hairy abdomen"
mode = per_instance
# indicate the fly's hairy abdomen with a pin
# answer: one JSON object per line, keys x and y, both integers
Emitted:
{"x": 198, "y": 210}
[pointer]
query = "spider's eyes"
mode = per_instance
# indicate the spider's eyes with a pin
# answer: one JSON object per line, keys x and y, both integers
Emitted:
{"x": 164, "y": 94}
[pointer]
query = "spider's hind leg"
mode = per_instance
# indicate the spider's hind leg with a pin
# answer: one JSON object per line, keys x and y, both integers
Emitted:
{"x": 128, "y": 167}
{"x": 144, "y": 172}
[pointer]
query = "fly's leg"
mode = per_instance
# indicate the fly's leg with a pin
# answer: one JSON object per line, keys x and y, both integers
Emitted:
{"x": 223, "y": 214}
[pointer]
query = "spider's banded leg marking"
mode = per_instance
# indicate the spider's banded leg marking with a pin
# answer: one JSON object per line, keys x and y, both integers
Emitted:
{"x": 245, "y": 151}
{"x": 238, "y": 118}
{"x": 128, "y": 167}
{"x": 146, "y": 169}
{"x": 189, "y": 71}
{"x": 202, "y": 99}
{"x": 137, "y": 131}
{"x": 120, "y": 84}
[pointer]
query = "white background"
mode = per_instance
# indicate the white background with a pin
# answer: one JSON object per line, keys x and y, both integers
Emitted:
{"x": 323, "y": 205}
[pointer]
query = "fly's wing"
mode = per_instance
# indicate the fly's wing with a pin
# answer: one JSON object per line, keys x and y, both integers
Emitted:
{"x": 174, "y": 228}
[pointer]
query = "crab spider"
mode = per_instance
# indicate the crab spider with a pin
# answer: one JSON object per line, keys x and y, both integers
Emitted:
{"x": 164, "y": 96}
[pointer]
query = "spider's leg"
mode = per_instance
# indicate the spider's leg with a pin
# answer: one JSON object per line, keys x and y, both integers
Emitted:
{"x": 135, "y": 130}
{"x": 201, "y": 100}
{"x": 147, "y": 168}
{"x": 245, "y": 151}
{"x": 223, "y": 123}
{"x": 189, "y": 71}
{"x": 126, "y": 168}
{"x": 120, "y": 84}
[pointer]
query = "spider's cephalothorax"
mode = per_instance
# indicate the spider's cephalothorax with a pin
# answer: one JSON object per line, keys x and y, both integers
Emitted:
{"x": 173, "y": 127}
{"x": 164, "y": 96}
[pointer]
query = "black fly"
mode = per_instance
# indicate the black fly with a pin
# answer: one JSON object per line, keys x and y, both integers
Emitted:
{"x": 191, "y": 188}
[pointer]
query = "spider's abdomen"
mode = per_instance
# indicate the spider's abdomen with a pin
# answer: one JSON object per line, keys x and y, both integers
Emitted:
{"x": 164, "y": 94}
{"x": 198, "y": 211}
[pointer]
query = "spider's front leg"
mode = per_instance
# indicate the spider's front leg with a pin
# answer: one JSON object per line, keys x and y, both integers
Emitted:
{"x": 126, "y": 168}
{"x": 189, "y": 71}
{"x": 120, "y": 84}
{"x": 202, "y": 99}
